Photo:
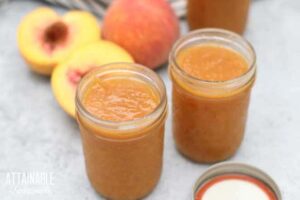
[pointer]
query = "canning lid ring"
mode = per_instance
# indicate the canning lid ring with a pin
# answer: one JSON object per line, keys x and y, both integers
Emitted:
{"x": 237, "y": 168}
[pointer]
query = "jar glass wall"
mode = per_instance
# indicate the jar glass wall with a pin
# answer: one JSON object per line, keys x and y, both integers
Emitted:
{"x": 209, "y": 117}
{"x": 123, "y": 159}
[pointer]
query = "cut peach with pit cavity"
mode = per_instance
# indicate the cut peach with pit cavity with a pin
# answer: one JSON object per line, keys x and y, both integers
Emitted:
{"x": 45, "y": 38}
{"x": 67, "y": 75}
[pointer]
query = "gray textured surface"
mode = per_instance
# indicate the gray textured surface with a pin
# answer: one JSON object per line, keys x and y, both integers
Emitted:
{"x": 36, "y": 135}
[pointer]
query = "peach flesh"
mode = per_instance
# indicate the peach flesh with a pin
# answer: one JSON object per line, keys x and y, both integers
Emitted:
{"x": 75, "y": 75}
{"x": 55, "y": 35}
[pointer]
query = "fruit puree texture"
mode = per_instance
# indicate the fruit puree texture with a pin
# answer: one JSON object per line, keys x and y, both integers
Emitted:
{"x": 212, "y": 63}
{"x": 123, "y": 144}
{"x": 120, "y": 99}
{"x": 209, "y": 127}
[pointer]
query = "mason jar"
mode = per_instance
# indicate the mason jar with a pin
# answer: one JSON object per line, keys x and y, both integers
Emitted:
{"x": 123, "y": 158}
{"x": 209, "y": 117}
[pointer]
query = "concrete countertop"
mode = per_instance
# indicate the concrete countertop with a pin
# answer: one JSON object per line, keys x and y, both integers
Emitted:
{"x": 38, "y": 137}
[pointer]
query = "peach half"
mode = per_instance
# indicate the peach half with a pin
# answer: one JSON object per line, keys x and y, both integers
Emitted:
{"x": 45, "y": 38}
{"x": 67, "y": 75}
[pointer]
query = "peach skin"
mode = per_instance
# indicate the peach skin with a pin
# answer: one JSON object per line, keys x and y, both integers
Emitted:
{"x": 147, "y": 29}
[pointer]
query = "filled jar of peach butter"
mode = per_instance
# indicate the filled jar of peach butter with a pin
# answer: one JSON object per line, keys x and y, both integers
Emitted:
{"x": 121, "y": 110}
{"x": 227, "y": 14}
{"x": 212, "y": 71}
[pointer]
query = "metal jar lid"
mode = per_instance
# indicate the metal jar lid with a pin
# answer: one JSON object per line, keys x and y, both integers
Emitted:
{"x": 236, "y": 168}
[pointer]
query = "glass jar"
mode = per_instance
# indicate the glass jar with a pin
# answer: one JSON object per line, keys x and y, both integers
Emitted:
{"x": 209, "y": 117}
{"x": 123, "y": 159}
{"x": 226, "y": 14}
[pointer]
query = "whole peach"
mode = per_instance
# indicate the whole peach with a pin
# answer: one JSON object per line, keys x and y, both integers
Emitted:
{"x": 147, "y": 29}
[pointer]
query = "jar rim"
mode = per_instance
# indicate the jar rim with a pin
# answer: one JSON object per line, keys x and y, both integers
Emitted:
{"x": 196, "y": 34}
{"x": 156, "y": 82}
{"x": 231, "y": 167}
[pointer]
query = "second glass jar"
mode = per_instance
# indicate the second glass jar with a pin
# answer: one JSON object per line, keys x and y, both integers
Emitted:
{"x": 209, "y": 117}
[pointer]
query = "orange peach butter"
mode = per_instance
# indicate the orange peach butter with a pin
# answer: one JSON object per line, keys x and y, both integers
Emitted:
{"x": 122, "y": 164}
{"x": 209, "y": 127}
{"x": 120, "y": 99}
{"x": 212, "y": 63}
